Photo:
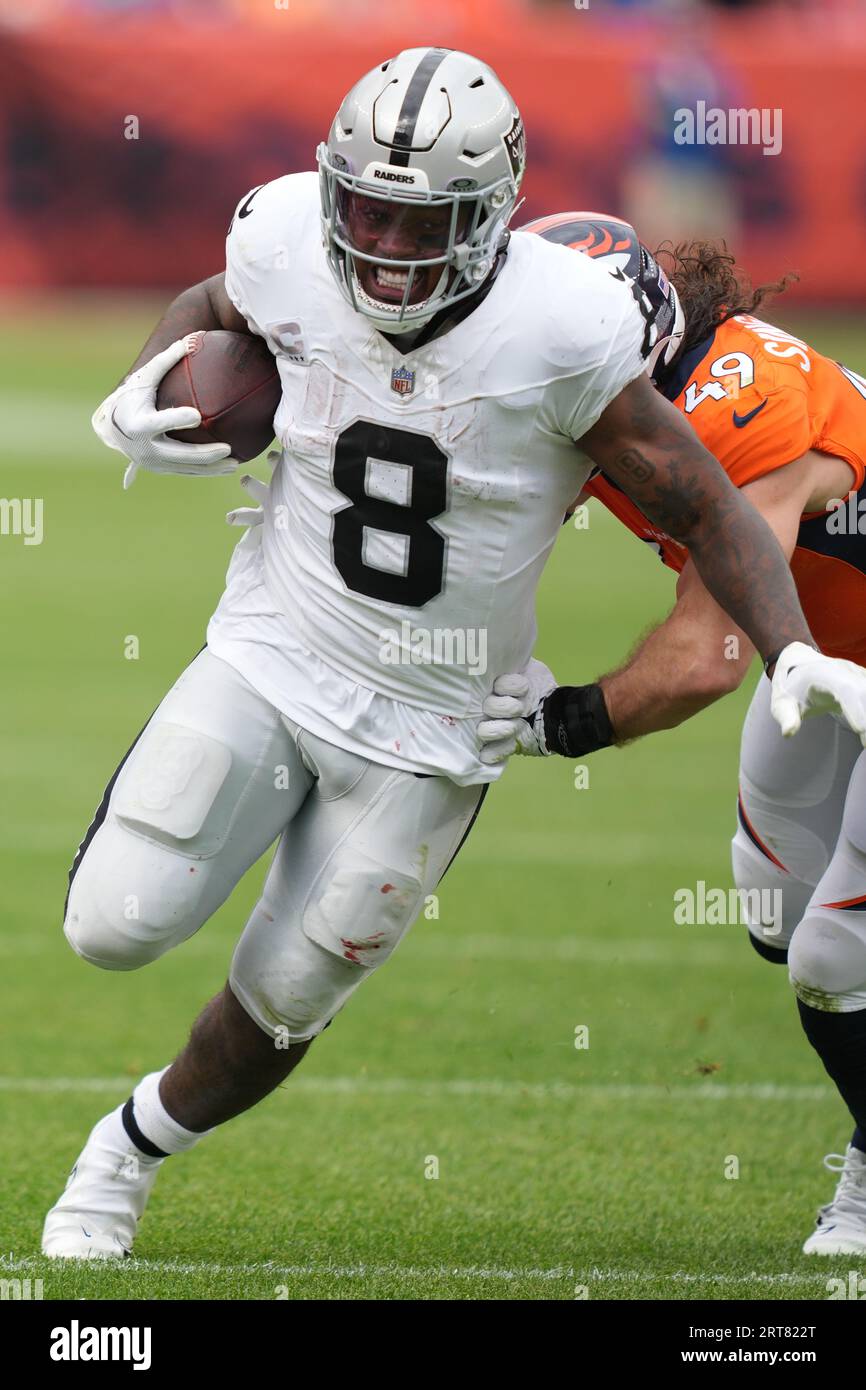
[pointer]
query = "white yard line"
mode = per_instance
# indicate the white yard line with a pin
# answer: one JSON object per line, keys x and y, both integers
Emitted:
{"x": 694, "y": 947}
{"x": 471, "y": 1088}
{"x": 130, "y": 1268}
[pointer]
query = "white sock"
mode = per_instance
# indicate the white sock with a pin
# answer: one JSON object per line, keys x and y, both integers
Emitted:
{"x": 154, "y": 1120}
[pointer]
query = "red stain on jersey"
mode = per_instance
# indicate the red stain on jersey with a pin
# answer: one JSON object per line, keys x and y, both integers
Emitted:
{"x": 387, "y": 888}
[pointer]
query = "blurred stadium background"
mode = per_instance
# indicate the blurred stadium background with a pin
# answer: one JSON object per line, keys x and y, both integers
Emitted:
{"x": 559, "y": 1167}
{"x": 229, "y": 93}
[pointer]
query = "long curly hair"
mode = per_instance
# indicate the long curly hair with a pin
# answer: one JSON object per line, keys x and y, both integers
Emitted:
{"x": 712, "y": 287}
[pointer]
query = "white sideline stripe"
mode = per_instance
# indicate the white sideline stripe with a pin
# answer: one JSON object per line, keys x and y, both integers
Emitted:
{"x": 647, "y": 1276}
{"x": 357, "y": 1271}
{"x": 696, "y": 947}
{"x": 492, "y": 1089}
{"x": 128, "y": 1268}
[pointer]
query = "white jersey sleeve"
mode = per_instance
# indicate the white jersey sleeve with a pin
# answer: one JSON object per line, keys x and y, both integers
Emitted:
{"x": 269, "y": 231}
{"x": 600, "y": 323}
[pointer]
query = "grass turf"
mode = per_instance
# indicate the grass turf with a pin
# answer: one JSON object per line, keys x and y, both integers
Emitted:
{"x": 560, "y": 1170}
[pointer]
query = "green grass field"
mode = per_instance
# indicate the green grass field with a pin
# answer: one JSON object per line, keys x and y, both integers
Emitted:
{"x": 560, "y": 1169}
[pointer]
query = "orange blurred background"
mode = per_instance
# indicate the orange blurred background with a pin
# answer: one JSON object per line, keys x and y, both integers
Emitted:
{"x": 230, "y": 93}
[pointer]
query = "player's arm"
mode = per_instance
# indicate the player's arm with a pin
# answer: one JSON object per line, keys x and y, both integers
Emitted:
{"x": 698, "y": 654}
{"x": 689, "y": 661}
{"x": 205, "y": 306}
{"x": 645, "y": 446}
{"x": 692, "y": 659}
{"x": 129, "y": 421}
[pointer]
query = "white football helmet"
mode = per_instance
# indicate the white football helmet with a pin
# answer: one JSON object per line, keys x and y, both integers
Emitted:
{"x": 429, "y": 142}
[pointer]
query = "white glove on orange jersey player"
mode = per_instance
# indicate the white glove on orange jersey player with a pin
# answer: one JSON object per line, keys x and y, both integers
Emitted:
{"x": 128, "y": 421}
{"x": 806, "y": 682}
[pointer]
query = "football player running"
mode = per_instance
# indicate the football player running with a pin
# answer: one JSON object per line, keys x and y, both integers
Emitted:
{"x": 789, "y": 427}
{"x": 436, "y": 374}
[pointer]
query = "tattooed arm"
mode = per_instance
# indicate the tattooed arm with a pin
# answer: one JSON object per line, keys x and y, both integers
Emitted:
{"x": 203, "y": 306}
{"x": 736, "y": 567}
{"x": 646, "y": 447}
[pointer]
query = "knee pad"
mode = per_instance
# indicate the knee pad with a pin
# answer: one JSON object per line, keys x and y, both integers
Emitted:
{"x": 773, "y": 901}
{"x": 827, "y": 960}
{"x": 169, "y": 790}
{"x": 131, "y": 900}
{"x": 292, "y": 978}
{"x": 359, "y": 909}
{"x": 294, "y": 992}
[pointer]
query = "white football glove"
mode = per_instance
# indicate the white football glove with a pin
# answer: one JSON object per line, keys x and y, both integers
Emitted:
{"x": 129, "y": 422}
{"x": 253, "y": 516}
{"x": 513, "y": 721}
{"x": 805, "y": 682}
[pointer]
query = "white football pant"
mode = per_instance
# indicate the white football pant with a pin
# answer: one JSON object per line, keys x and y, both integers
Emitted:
{"x": 215, "y": 777}
{"x": 802, "y": 831}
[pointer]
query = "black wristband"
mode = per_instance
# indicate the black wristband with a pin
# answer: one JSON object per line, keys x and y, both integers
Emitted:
{"x": 576, "y": 720}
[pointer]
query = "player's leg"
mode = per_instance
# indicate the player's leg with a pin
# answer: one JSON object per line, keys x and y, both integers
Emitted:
{"x": 207, "y": 787}
{"x": 350, "y": 875}
{"x": 827, "y": 959}
{"x": 203, "y": 792}
{"x": 791, "y": 797}
{"x": 366, "y": 850}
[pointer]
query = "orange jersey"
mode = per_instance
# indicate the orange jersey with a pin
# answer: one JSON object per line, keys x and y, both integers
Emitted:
{"x": 760, "y": 398}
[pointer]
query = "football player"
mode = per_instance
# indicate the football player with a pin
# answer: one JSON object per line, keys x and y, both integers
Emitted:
{"x": 437, "y": 374}
{"x": 789, "y": 427}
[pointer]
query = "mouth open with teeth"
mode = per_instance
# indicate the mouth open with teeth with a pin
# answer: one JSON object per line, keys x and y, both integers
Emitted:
{"x": 389, "y": 286}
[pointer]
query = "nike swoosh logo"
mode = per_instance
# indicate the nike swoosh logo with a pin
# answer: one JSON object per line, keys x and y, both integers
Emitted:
{"x": 129, "y": 437}
{"x": 741, "y": 420}
{"x": 244, "y": 210}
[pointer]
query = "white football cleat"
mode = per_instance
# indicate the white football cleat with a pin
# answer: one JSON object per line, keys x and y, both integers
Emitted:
{"x": 841, "y": 1228}
{"x": 98, "y": 1214}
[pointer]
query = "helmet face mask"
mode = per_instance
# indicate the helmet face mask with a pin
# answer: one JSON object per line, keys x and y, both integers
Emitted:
{"x": 411, "y": 229}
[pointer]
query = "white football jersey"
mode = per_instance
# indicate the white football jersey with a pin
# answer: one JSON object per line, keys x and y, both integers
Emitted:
{"x": 418, "y": 494}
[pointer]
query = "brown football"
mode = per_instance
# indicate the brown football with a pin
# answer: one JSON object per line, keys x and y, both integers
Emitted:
{"x": 232, "y": 379}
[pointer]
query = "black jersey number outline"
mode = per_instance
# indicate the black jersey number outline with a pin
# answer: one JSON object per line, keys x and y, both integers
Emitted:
{"x": 428, "y": 498}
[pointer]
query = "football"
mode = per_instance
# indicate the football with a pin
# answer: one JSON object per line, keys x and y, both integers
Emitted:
{"x": 232, "y": 379}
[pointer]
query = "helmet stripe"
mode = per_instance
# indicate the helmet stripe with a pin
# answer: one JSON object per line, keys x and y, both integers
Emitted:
{"x": 404, "y": 130}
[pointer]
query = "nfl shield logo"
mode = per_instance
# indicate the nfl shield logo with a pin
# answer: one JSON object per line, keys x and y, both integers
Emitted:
{"x": 402, "y": 381}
